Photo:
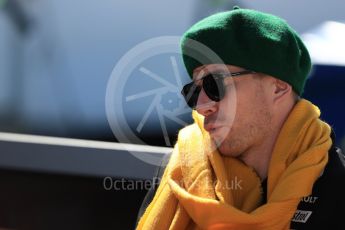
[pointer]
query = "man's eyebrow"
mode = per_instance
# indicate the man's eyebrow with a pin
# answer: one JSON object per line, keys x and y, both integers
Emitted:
{"x": 214, "y": 72}
{"x": 200, "y": 75}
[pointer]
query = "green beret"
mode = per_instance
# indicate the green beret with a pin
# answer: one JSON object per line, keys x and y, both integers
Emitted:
{"x": 252, "y": 40}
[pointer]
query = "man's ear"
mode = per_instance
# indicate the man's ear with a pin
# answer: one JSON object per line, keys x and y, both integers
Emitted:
{"x": 281, "y": 89}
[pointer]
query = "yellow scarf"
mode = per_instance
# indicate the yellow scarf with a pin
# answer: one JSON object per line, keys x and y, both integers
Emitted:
{"x": 205, "y": 190}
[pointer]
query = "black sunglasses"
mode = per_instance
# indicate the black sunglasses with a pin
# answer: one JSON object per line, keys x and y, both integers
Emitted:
{"x": 213, "y": 85}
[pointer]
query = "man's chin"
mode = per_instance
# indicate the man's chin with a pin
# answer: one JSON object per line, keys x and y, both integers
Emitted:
{"x": 220, "y": 146}
{"x": 224, "y": 150}
{"x": 218, "y": 142}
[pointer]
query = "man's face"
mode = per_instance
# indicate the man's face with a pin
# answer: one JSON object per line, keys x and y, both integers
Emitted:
{"x": 242, "y": 119}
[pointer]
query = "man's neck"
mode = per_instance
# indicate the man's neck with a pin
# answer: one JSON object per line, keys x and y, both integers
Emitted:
{"x": 259, "y": 157}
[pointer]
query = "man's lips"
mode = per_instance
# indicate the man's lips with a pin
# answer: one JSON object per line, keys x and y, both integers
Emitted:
{"x": 211, "y": 127}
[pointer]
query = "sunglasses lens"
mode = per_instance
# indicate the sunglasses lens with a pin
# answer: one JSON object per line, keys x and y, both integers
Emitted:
{"x": 190, "y": 93}
{"x": 214, "y": 87}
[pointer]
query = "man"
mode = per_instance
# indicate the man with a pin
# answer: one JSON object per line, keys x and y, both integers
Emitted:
{"x": 257, "y": 156}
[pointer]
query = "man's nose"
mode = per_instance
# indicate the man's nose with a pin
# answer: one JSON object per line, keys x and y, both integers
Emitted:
{"x": 205, "y": 106}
